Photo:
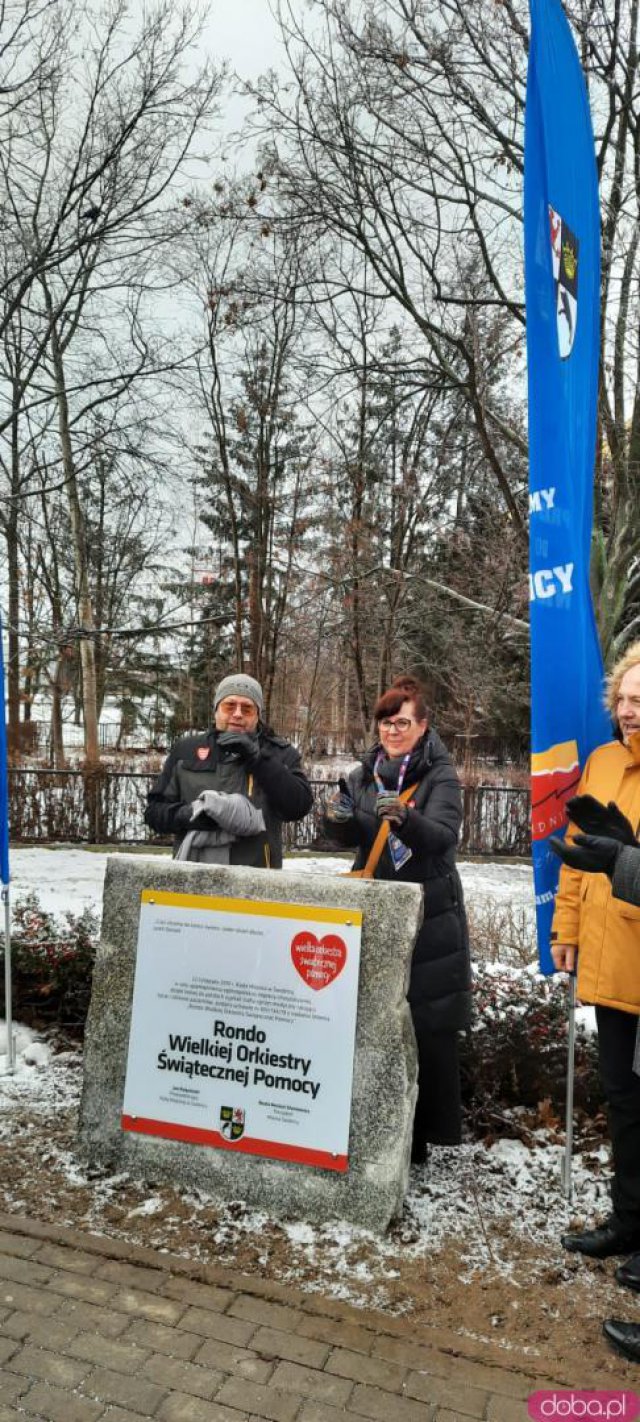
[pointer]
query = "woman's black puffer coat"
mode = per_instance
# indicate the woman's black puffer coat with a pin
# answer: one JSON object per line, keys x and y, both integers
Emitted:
{"x": 440, "y": 986}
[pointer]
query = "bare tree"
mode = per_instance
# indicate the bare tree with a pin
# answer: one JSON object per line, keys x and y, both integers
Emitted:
{"x": 390, "y": 145}
{"x": 256, "y": 464}
{"x": 90, "y": 192}
{"x": 402, "y": 136}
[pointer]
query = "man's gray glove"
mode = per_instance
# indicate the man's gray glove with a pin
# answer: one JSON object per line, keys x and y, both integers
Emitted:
{"x": 235, "y": 814}
{"x": 594, "y": 818}
{"x": 207, "y": 803}
{"x": 590, "y": 853}
{"x": 242, "y": 744}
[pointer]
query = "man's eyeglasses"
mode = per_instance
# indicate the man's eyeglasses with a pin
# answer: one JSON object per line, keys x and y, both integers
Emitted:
{"x": 231, "y": 707}
{"x": 400, "y": 724}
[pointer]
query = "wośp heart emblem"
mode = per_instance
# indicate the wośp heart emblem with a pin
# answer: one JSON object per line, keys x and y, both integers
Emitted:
{"x": 319, "y": 961}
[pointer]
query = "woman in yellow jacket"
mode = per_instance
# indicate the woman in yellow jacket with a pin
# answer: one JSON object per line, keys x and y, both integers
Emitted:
{"x": 600, "y": 935}
{"x": 620, "y": 861}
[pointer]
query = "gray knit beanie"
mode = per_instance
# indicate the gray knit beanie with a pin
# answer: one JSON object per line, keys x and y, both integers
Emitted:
{"x": 239, "y": 684}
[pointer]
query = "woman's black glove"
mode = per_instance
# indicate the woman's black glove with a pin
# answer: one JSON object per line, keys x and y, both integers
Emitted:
{"x": 390, "y": 807}
{"x": 243, "y": 744}
{"x": 592, "y": 817}
{"x": 340, "y": 806}
{"x": 592, "y": 854}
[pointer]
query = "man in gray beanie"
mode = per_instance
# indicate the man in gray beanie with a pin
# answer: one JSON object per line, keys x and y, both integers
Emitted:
{"x": 239, "y": 684}
{"x": 224, "y": 794}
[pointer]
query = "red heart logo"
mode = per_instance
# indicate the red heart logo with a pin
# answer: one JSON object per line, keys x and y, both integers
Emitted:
{"x": 319, "y": 961}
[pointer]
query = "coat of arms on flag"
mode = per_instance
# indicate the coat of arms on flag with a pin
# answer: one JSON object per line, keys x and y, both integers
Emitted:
{"x": 232, "y": 1122}
{"x": 564, "y": 258}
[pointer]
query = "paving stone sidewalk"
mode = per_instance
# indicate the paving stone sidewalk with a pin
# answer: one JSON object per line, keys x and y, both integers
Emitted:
{"x": 92, "y": 1328}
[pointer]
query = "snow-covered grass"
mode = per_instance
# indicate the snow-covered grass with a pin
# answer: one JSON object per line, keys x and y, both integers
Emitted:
{"x": 72, "y": 878}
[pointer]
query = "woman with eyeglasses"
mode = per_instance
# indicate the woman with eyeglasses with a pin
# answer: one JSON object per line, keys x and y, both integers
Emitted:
{"x": 409, "y": 756}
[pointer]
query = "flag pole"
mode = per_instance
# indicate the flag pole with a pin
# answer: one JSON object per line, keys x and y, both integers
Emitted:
{"x": 571, "y": 1071}
{"x": 8, "y": 1012}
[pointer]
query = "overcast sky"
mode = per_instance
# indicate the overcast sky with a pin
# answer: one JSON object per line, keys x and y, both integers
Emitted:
{"x": 243, "y": 32}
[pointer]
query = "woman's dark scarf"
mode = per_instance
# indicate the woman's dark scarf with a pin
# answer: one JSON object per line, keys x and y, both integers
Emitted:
{"x": 389, "y": 767}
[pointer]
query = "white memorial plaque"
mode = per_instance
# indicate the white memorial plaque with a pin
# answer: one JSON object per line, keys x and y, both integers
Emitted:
{"x": 243, "y": 1026}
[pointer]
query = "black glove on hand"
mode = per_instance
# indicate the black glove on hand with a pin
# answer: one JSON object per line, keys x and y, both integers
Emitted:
{"x": 592, "y": 817}
{"x": 182, "y": 819}
{"x": 243, "y": 744}
{"x": 340, "y": 806}
{"x": 389, "y": 806}
{"x": 592, "y": 854}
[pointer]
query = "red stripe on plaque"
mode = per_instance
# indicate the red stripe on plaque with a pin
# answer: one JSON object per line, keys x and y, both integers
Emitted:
{"x": 250, "y": 1145}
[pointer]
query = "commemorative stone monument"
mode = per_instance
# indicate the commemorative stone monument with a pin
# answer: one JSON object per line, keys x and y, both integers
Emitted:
{"x": 249, "y": 1035}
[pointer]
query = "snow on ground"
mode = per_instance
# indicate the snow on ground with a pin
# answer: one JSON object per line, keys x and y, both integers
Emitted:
{"x": 502, "y": 882}
{"x": 462, "y": 1196}
{"x": 63, "y": 879}
{"x": 29, "y": 1051}
{"x": 72, "y": 878}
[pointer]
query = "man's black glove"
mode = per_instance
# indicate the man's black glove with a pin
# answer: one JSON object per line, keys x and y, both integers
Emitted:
{"x": 243, "y": 744}
{"x": 592, "y": 817}
{"x": 592, "y": 854}
{"x": 182, "y": 819}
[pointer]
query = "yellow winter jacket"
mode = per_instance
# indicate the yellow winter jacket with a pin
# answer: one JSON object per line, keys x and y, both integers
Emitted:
{"x": 605, "y": 930}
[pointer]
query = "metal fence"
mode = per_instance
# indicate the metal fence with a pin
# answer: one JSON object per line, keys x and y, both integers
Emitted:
{"x": 67, "y": 807}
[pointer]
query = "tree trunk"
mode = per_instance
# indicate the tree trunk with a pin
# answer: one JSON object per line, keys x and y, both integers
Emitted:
{"x": 87, "y": 648}
{"x": 57, "y": 738}
{"x": 13, "y": 647}
{"x": 13, "y": 578}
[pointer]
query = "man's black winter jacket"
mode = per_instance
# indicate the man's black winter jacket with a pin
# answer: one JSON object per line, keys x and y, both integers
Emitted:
{"x": 276, "y": 784}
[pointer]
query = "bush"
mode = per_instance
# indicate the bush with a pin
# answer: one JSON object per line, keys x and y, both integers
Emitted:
{"x": 52, "y": 966}
{"x": 502, "y": 932}
{"x": 515, "y": 1055}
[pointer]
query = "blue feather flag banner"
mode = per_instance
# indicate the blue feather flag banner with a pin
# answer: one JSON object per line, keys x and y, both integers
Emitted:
{"x": 4, "y": 782}
{"x": 562, "y": 289}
